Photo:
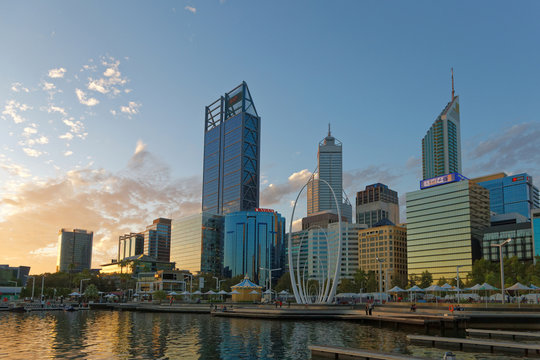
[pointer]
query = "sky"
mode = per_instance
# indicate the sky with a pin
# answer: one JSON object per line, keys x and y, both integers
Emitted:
{"x": 102, "y": 103}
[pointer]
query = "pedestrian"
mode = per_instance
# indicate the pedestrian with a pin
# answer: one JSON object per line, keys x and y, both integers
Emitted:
{"x": 367, "y": 308}
{"x": 276, "y": 303}
{"x": 371, "y": 305}
{"x": 280, "y": 304}
{"x": 170, "y": 301}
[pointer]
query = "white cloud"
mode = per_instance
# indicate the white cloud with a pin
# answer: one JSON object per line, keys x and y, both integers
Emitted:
{"x": 12, "y": 107}
{"x": 47, "y": 86}
{"x": 12, "y": 168}
{"x": 68, "y": 153}
{"x": 57, "y": 73}
{"x": 32, "y": 152}
{"x": 76, "y": 127}
{"x": 57, "y": 109}
{"x": 113, "y": 112}
{"x": 112, "y": 80}
{"x": 140, "y": 147}
{"x": 29, "y": 131}
{"x": 49, "y": 251}
{"x": 191, "y": 9}
{"x": 81, "y": 95}
{"x": 66, "y": 136}
{"x": 18, "y": 87}
{"x": 131, "y": 109}
{"x": 42, "y": 140}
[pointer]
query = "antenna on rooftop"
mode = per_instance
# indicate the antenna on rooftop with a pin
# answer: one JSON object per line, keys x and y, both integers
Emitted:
{"x": 453, "y": 84}
{"x": 329, "y": 130}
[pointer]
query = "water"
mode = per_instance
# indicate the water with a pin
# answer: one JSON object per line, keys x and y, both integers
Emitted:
{"x": 137, "y": 335}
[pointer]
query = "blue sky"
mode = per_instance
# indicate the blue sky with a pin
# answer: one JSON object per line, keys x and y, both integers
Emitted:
{"x": 102, "y": 103}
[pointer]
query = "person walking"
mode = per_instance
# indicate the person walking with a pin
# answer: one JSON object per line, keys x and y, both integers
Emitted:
{"x": 371, "y": 306}
{"x": 367, "y": 308}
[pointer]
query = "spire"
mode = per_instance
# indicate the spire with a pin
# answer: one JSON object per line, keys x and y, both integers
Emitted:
{"x": 329, "y": 134}
{"x": 453, "y": 97}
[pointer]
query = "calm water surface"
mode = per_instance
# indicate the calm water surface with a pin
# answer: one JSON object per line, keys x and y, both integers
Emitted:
{"x": 136, "y": 335}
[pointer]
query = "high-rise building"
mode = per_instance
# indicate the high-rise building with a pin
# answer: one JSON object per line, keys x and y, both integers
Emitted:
{"x": 521, "y": 245}
{"x": 231, "y": 153}
{"x": 535, "y": 220}
{"x": 14, "y": 273}
{"x": 129, "y": 245}
{"x": 441, "y": 147}
{"x": 157, "y": 239}
{"x": 254, "y": 239}
{"x": 510, "y": 194}
{"x": 375, "y": 203}
{"x": 74, "y": 250}
{"x": 445, "y": 224}
{"x": 197, "y": 243}
{"x": 330, "y": 169}
{"x": 321, "y": 219}
{"x": 389, "y": 244}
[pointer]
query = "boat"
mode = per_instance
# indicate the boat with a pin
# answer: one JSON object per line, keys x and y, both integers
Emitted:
{"x": 70, "y": 308}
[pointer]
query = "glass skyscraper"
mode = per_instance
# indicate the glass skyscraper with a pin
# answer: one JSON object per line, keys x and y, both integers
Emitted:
{"x": 445, "y": 226}
{"x": 157, "y": 239}
{"x": 254, "y": 239}
{"x": 535, "y": 220}
{"x": 330, "y": 166}
{"x": 197, "y": 243}
{"x": 231, "y": 153}
{"x": 441, "y": 147}
{"x": 511, "y": 194}
{"x": 74, "y": 250}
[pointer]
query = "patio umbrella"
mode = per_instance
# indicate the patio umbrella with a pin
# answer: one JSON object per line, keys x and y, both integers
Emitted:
{"x": 283, "y": 292}
{"x": 267, "y": 292}
{"x": 487, "y": 287}
{"x": 74, "y": 294}
{"x": 474, "y": 288}
{"x": 223, "y": 292}
{"x": 198, "y": 292}
{"x": 234, "y": 292}
{"x": 518, "y": 287}
{"x": 396, "y": 289}
{"x": 135, "y": 295}
{"x": 185, "y": 292}
{"x": 254, "y": 292}
{"x": 434, "y": 288}
{"x": 447, "y": 286}
{"x": 210, "y": 292}
{"x": 415, "y": 289}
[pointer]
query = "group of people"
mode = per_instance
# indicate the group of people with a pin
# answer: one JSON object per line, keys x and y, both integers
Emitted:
{"x": 369, "y": 308}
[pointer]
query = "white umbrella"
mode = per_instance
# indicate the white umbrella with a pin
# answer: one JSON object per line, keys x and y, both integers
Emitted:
{"x": 267, "y": 292}
{"x": 197, "y": 292}
{"x": 234, "y": 292}
{"x": 173, "y": 293}
{"x": 223, "y": 292}
{"x": 254, "y": 292}
{"x": 210, "y": 292}
{"x": 397, "y": 289}
{"x": 447, "y": 286}
{"x": 434, "y": 288}
{"x": 185, "y": 293}
{"x": 283, "y": 292}
{"x": 135, "y": 295}
{"x": 415, "y": 288}
{"x": 74, "y": 294}
{"x": 518, "y": 287}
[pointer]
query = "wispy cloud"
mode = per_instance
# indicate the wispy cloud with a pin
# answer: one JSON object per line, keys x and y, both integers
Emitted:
{"x": 111, "y": 82}
{"x": 18, "y": 87}
{"x": 52, "y": 109}
{"x": 76, "y": 129}
{"x": 68, "y": 153}
{"x": 13, "y": 168}
{"x": 57, "y": 73}
{"x": 12, "y": 109}
{"x": 81, "y": 95}
{"x": 32, "y": 152}
{"x": 275, "y": 193}
{"x": 191, "y": 9}
{"x": 131, "y": 109}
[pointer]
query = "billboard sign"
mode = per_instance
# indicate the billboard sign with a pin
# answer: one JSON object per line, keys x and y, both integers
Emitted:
{"x": 441, "y": 180}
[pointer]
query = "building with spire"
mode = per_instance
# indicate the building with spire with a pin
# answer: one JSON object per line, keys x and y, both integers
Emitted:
{"x": 231, "y": 170}
{"x": 330, "y": 169}
{"x": 441, "y": 147}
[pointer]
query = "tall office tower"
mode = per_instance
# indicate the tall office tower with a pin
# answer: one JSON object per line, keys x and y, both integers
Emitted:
{"x": 197, "y": 243}
{"x": 157, "y": 239}
{"x": 231, "y": 153}
{"x": 510, "y": 194}
{"x": 388, "y": 243}
{"x": 441, "y": 147}
{"x": 254, "y": 239}
{"x": 129, "y": 245}
{"x": 445, "y": 225}
{"x": 535, "y": 221}
{"x": 375, "y": 203}
{"x": 330, "y": 166}
{"x": 74, "y": 250}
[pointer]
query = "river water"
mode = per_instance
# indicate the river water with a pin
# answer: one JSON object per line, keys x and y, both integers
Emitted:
{"x": 136, "y": 335}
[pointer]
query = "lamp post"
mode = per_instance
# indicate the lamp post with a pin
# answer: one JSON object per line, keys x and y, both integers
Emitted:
{"x": 270, "y": 278}
{"x": 42, "y": 284}
{"x": 502, "y": 264}
{"x": 11, "y": 281}
{"x": 386, "y": 279}
{"x": 33, "y": 283}
{"x": 380, "y": 261}
{"x": 190, "y": 281}
{"x": 217, "y": 282}
{"x": 80, "y": 287}
{"x": 457, "y": 279}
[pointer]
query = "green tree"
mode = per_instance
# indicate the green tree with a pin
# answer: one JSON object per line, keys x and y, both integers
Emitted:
{"x": 414, "y": 280}
{"x": 426, "y": 279}
{"x": 442, "y": 281}
{"x": 226, "y": 285}
{"x": 159, "y": 295}
{"x": 347, "y": 286}
{"x": 399, "y": 280}
{"x": 284, "y": 283}
{"x": 371, "y": 283}
{"x": 91, "y": 292}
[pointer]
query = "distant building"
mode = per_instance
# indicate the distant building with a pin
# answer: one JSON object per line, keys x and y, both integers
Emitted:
{"x": 135, "y": 265}
{"x": 536, "y": 231}
{"x": 321, "y": 219}
{"x": 157, "y": 239}
{"x": 520, "y": 246}
{"x": 8, "y": 274}
{"x": 197, "y": 243}
{"x": 330, "y": 167}
{"x": 441, "y": 147}
{"x": 129, "y": 245}
{"x": 445, "y": 225}
{"x": 389, "y": 244}
{"x": 161, "y": 280}
{"x": 375, "y": 203}
{"x": 254, "y": 239}
{"x": 231, "y": 154}
{"x": 508, "y": 194}
{"x": 74, "y": 250}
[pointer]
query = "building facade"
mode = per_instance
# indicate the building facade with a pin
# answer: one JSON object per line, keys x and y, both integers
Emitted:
{"x": 231, "y": 154}
{"x": 254, "y": 239}
{"x": 511, "y": 194}
{"x": 375, "y": 203}
{"x": 389, "y": 244}
{"x": 330, "y": 169}
{"x": 157, "y": 239}
{"x": 135, "y": 265}
{"x": 441, "y": 147}
{"x": 321, "y": 219}
{"x": 129, "y": 245}
{"x": 521, "y": 245}
{"x": 14, "y": 273}
{"x": 445, "y": 225}
{"x": 74, "y": 250}
{"x": 197, "y": 243}
{"x": 535, "y": 220}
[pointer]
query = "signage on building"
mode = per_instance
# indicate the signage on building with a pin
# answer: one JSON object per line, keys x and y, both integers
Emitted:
{"x": 234, "y": 99}
{"x": 440, "y": 180}
{"x": 264, "y": 210}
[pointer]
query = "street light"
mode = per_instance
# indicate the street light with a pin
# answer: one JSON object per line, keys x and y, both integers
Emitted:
{"x": 217, "y": 282}
{"x": 380, "y": 261}
{"x": 33, "y": 283}
{"x": 13, "y": 282}
{"x": 386, "y": 279}
{"x": 502, "y": 264}
{"x": 457, "y": 279}
{"x": 80, "y": 287}
{"x": 190, "y": 281}
{"x": 270, "y": 277}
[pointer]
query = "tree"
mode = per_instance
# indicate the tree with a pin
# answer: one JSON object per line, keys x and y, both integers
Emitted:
{"x": 426, "y": 279}
{"x": 91, "y": 292}
{"x": 226, "y": 285}
{"x": 399, "y": 280}
{"x": 159, "y": 295}
{"x": 414, "y": 280}
{"x": 347, "y": 286}
{"x": 371, "y": 283}
{"x": 442, "y": 281}
{"x": 284, "y": 283}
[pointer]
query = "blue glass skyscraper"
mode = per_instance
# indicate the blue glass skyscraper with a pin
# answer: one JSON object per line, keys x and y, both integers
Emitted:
{"x": 231, "y": 153}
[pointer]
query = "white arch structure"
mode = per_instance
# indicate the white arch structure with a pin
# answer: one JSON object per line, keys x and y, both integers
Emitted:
{"x": 327, "y": 285}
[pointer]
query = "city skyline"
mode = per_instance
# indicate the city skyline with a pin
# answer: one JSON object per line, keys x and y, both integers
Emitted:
{"x": 96, "y": 138}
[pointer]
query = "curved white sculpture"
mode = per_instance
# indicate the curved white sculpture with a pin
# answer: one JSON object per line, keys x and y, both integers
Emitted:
{"x": 327, "y": 285}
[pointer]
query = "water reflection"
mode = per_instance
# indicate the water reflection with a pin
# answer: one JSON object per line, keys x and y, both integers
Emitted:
{"x": 135, "y": 335}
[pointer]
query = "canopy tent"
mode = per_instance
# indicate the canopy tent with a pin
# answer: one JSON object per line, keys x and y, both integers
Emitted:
{"x": 267, "y": 292}
{"x": 283, "y": 292}
{"x": 74, "y": 294}
{"x": 396, "y": 289}
{"x": 198, "y": 292}
{"x": 534, "y": 287}
{"x": 210, "y": 292}
{"x": 518, "y": 287}
{"x": 234, "y": 292}
{"x": 247, "y": 291}
{"x": 447, "y": 286}
{"x": 474, "y": 288}
{"x": 173, "y": 293}
{"x": 415, "y": 288}
{"x": 487, "y": 287}
{"x": 185, "y": 292}
{"x": 434, "y": 288}
{"x": 223, "y": 292}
